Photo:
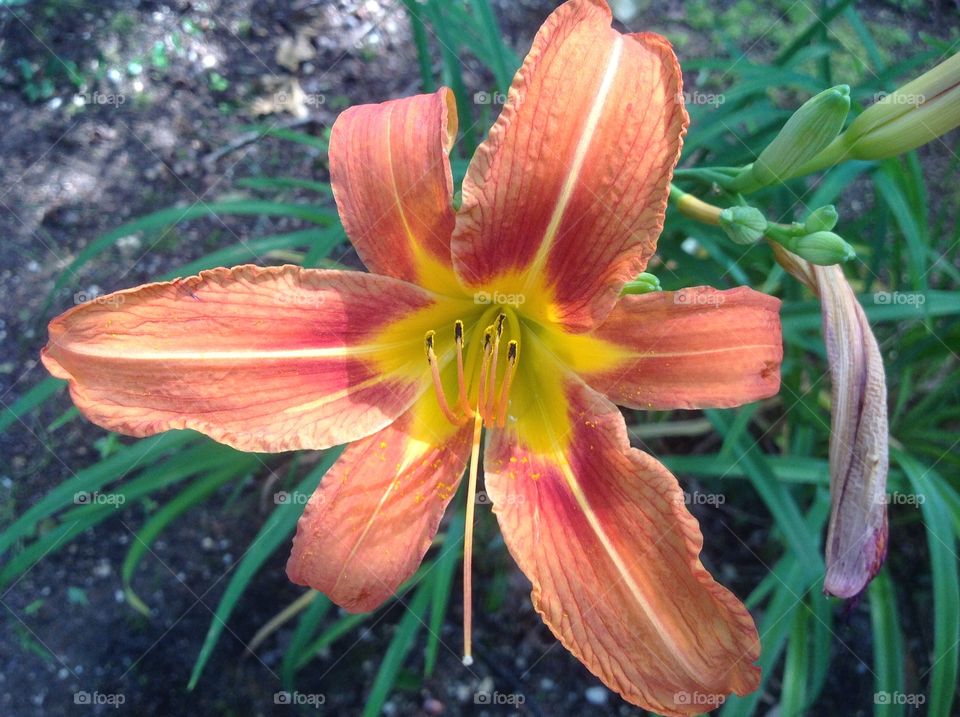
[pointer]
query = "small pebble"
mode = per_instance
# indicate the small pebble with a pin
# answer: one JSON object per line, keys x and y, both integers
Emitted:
{"x": 597, "y": 695}
{"x": 433, "y": 706}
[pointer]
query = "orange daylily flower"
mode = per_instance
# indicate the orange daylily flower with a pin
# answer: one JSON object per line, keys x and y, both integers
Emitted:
{"x": 516, "y": 301}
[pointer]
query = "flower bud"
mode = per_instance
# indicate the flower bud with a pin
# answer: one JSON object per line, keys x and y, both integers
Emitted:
{"x": 642, "y": 284}
{"x": 820, "y": 248}
{"x": 744, "y": 225}
{"x": 822, "y": 219}
{"x": 811, "y": 128}
{"x": 915, "y": 114}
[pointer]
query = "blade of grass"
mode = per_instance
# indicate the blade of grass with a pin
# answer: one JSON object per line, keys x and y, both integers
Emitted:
{"x": 421, "y": 42}
{"x": 442, "y": 582}
{"x": 285, "y": 183}
{"x": 887, "y": 645}
{"x": 793, "y": 693}
{"x": 31, "y": 400}
{"x": 946, "y": 584}
{"x": 277, "y": 528}
{"x": 175, "y": 215}
{"x": 400, "y": 645}
{"x": 306, "y": 628}
{"x": 190, "y": 497}
{"x": 800, "y": 540}
{"x": 92, "y": 479}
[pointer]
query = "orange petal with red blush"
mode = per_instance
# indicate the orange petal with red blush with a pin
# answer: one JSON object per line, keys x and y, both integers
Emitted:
{"x": 567, "y": 195}
{"x": 602, "y": 532}
{"x": 695, "y": 348}
{"x": 369, "y": 524}
{"x": 390, "y": 173}
{"x": 263, "y": 359}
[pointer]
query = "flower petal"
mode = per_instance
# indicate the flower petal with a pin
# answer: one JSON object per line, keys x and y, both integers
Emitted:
{"x": 694, "y": 348}
{"x": 390, "y": 172}
{"x": 602, "y": 532}
{"x": 566, "y": 197}
{"x": 369, "y": 524}
{"x": 263, "y": 359}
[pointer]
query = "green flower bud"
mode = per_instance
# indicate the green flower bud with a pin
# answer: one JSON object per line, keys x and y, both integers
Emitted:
{"x": 822, "y": 248}
{"x": 811, "y": 128}
{"x": 915, "y": 114}
{"x": 919, "y": 112}
{"x": 822, "y": 219}
{"x": 744, "y": 225}
{"x": 643, "y": 284}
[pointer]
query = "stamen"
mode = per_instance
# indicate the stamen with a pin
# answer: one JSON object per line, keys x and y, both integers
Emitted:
{"x": 513, "y": 350}
{"x": 490, "y": 404}
{"x": 437, "y": 383}
{"x": 463, "y": 402}
{"x": 484, "y": 370}
{"x": 468, "y": 543}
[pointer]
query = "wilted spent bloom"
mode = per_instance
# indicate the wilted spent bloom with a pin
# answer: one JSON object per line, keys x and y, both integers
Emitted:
{"x": 857, "y": 534}
{"x": 744, "y": 225}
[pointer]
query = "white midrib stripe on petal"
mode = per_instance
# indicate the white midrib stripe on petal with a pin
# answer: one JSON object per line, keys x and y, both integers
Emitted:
{"x": 579, "y": 157}
{"x": 126, "y": 353}
{"x": 636, "y": 592}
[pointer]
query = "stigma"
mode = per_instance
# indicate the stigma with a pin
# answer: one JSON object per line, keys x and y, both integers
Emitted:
{"x": 494, "y": 377}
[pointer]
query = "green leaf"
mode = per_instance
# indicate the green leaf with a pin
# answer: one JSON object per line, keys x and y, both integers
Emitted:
{"x": 889, "y": 191}
{"x": 442, "y": 581}
{"x": 32, "y": 399}
{"x": 277, "y": 528}
{"x": 285, "y": 183}
{"x": 175, "y": 215}
{"x": 800, "y": 540}
{"x": 791, "y": 581}
{"x": 252, "y": 250}
{"x": 793, "y": 694}
{"x": 92, "y": 479}
{"x": 942, "y": 545}
{"x": 306, "y": 628}
{"x": 887, "y": 645}
{"x": 191, "y": 496}
{"x": 403, "y": 639}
